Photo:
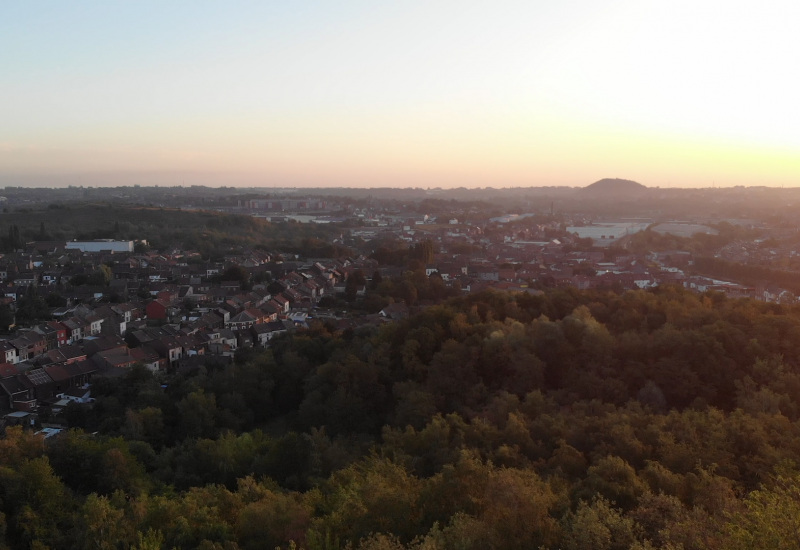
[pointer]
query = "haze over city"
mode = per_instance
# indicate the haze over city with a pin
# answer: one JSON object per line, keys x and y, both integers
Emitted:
{"x": 428, "y": 94}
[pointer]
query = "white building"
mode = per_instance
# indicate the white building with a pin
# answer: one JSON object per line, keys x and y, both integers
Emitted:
{"x": 100, "y": 245}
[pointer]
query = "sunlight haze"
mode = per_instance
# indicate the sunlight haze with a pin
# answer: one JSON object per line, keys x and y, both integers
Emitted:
{"x": 411, "y": 94}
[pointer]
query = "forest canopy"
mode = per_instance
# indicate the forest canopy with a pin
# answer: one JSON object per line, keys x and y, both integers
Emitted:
{"x": 570, "y": 419}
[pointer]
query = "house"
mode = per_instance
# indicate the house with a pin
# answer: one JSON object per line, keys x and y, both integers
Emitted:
{"x": 230, "y": 286}
{"x": 60, "y": 377}
{"x": 7, "y": 370}
{"x": 264, "y": 332}
{"x": 272, "y": 309}
{"x": 28, "y": 347}
{"x": 395, "y": 312}
{"x": 113, "y": 358}
{"x": 228, "y": 339}
{"x": 25, "y": 278}
{"x": 113, "y": 323}
{"x": 225, "y": 343}
{"x": 246, "y": 319}
{"x": 282, "y": 303}
{"x": 43, "y": 386}
{"x": 97, "y": 344}
{"x": 80, "y": 372}
{"x": 66, "y": 354}
{"x": 129, "y": 312}
{"x": 17, "y": 393}
{"x": 50, "y": 334}
{"x": 168, "y": 348}
{"x": 157, "y": 310}
{"x": 261, "y": 334}
{"x": 74, "y": 328}
{"x": 95, "y": 323}
{"x": 148, "y": 357}
{"x": 192, "y": 344}
{"x": 8, "y": 352}
{"x": 55, "y": 334}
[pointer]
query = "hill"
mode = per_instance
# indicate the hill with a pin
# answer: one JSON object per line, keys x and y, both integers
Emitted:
{"x": 613, "y": 186}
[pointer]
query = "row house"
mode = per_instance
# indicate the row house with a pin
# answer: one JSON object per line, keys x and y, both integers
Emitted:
{"x": 226, "y": 342}
{"x": 95, "y": 323}
{"x": 169, "y": 348}
{"x": 218, "y": 295}
{"x": 60, "y": 377}
{"x": 485, "y": 272}
{"x": 29, "y": 345}
{"x": 25, "y": 278}
{"x": 191, "y": 344}
{"x": 149, "y": 358}
{"x": 8, "y": 353}
{"x": 231, "y": 286}
{"x": 257, "y": 299}
{"x": 262, "y": 333}
{"x": 294, "y": 296}
{"x": 447, "y": 270}
{"x": 71, "y": 375}
{"x": 273, "y": 309}
{"x": 65, "y": 355}
{"x": 50, "y": 277}
{"x": 282, "y": 302}
{"x": 292, "y": 279}
{"x": 97, "y": 344}
{"x": 76, "y": 328}
{"x": 111, "y": 322}
{"x": 311, "y": 289}
{"x": 17, "y": 393}
{"x": 113, "y": 359}
{"x": 43, "y": 386}
{"x": 15, "y": 292}
{"x": 127, "y": 311}
{"x": 55, "y": 334}
{"x": 160, "y": 310}
{"x": 209, "y": 320}
{"x": 246, "y": 319}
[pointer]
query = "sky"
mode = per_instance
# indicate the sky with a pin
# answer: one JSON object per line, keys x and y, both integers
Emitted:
{"x": 353, "y": 93}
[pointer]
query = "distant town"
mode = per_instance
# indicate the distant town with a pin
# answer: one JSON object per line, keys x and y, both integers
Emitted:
{"x": 73, "y": 308}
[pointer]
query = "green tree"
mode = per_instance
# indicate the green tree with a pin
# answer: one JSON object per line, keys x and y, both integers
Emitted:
{"x": 599, "y": 526}
{"x": 423, "y": 251}
{"x": 31, "y": 307}
{"x": 6, "y": 318}
{"x": 770, "y": 517}
{"x": 355, "y": 282}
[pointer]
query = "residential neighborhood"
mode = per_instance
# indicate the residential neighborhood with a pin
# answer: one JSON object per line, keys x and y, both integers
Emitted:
{"x": 74, "y": 309}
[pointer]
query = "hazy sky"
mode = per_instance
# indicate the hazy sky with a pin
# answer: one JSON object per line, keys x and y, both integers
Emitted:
{"x": 413, "y": 93}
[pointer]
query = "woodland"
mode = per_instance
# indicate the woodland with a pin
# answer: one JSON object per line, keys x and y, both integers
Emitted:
{"x": 571, "y": 419}
{"x": 211, "y": 234}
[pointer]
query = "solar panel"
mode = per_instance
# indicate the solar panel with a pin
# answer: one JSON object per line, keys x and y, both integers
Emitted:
{"x": 38, "y": 376}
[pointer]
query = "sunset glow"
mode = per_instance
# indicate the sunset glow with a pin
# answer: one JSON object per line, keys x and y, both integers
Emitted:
{"x": 428, "y": 94}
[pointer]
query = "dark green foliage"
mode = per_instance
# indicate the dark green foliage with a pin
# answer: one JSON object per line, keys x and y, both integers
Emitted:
{"x": 6, "y": 317}
{"x": 355, "y": 281}
{"x": 31, "y": 308}
{"x": 569, "y": 419}
{"x": 210, "y": 233}
{"x": 747, "y": 274}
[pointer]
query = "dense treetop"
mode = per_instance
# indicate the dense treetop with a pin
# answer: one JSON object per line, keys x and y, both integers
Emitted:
{"x": 570, "y": 419}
